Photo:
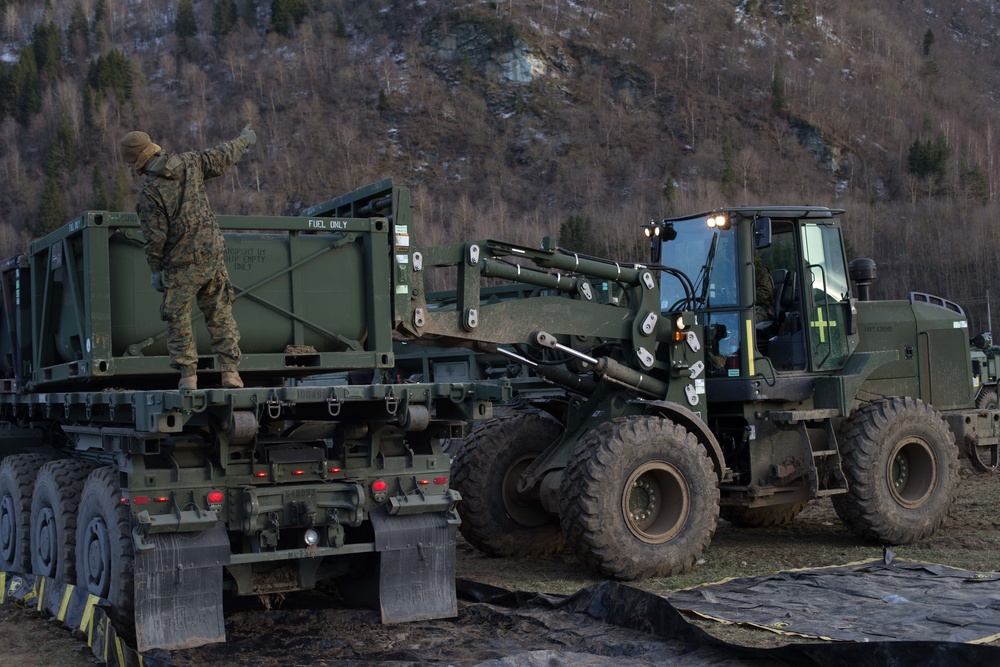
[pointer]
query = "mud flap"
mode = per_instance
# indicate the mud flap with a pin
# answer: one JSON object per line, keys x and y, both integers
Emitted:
{"x": 417, "y": 566}
{"x": 178, "y": 590}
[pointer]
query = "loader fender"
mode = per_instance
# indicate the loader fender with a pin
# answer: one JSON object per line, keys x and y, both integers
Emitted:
{"x": 693, "y": 423}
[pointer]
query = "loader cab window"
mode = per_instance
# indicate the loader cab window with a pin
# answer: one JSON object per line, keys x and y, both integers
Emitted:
{"x": 805, "y": 326}
{"x": 708, "y": 258}
{"x": 779, "y": 330}
{"x": 828, "y": 295}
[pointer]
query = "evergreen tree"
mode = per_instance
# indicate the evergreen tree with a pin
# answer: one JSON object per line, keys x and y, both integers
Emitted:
{"x": 186, "y": 25}
{"x": 668, "y": 195}
{"x": 78, "y": 24}
{"x": 975, "y": 185}
{"x": 250, "y": 13}
{"x": 24, "y": 94}
{"x": 52, "y": 209}
{"x": 928, "y": 41}
{"x": 62, "y": 152}
{"x": 4, "y": 92}
{"x": 111, "y": 72}
{"x": 575, "y": 234}
{"x": 78, "y": 32}
{"x": 102, "y": 200}
{"x": 97, "y": 24}
{"x": 46, "y": 41}
{"x": 120, "y": 192}
{"x": 929, "y": 158}
{"x": 224, "y": 17}
{"x": 777, "y": 89}
{"x": 728, "y": 175}
{"x": 286, "y": 14}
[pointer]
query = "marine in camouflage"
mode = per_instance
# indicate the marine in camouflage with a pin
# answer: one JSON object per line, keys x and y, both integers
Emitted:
{"x": 184, "y": 244}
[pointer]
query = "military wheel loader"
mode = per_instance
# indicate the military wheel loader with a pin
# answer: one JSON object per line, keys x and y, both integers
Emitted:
{"x": 740, "y": 373}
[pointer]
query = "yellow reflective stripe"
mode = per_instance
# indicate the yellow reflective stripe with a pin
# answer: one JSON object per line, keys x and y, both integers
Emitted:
{"x": 64, "y": 605}
{"x": 120, "y": 649}
{"x": 40, "y": 590}
{"x": 104, "y": 631}
{"x": 751, "y": 346}
{"x": 3, "y": 587}
{"x": 87, "y": 622}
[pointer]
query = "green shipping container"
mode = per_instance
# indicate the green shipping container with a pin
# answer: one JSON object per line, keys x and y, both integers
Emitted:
{"x": 313, "y": 295}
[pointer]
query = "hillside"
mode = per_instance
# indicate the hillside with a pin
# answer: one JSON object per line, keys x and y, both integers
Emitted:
{"x": 508, "y": 117}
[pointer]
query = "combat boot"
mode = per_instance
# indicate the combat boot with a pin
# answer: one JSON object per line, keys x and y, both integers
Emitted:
{"x": 231, "y": 380}
{"x": 188, "y": 382}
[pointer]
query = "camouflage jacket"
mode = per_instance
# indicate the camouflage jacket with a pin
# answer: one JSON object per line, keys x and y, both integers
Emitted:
{"x": 177, "y": 222}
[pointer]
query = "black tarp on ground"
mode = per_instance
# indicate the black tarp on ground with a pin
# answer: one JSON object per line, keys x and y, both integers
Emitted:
{"x": 863, "y": 602}
{"x": 606, "y": 624}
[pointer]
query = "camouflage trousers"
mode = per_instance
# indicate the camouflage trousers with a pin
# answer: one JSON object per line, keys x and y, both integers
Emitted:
{"x": 210, "y": 287}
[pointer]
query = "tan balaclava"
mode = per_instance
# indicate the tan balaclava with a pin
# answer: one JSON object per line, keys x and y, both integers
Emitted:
{"x": 137, "y": 147}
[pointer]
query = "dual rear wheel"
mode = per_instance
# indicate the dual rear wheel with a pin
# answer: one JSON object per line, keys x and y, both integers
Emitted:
{"x": 65, "y": 520}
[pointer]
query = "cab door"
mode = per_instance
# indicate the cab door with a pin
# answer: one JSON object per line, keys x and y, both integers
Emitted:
{"x": 827, "y": 295}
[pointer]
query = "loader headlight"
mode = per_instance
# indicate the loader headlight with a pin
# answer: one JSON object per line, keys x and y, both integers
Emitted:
{"x": 718, "y": 221}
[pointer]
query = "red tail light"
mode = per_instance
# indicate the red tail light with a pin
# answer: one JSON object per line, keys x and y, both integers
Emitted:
{"x": 215, "y": 497}
{"x": 379, "y": 486}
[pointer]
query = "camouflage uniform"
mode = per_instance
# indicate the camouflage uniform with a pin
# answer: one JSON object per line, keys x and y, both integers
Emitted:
{"x": 184, "y": 244}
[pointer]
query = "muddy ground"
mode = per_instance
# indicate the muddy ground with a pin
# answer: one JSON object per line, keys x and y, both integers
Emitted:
{"x": 312, "y": 629}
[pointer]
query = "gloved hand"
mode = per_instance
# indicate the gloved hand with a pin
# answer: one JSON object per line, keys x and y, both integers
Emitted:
{"x": 156, "y": 280}
{"x": 249, "y": 134}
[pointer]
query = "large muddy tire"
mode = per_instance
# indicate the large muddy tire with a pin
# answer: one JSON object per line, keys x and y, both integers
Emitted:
{"x": 762, "y": 517}
{"x": 53, "y": 518}
{"x": 639, "y": 498}
{"x": 104, "y": 551}
{"x": 488, "y": 464}
{"x": 17, "y": 480}
{"x": 901, "y": 463}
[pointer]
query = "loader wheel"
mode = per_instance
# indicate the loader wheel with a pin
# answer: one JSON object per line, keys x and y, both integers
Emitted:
{"x": 987, "y": 400}
{"x": 488, "y": 464}
{"x": 17, "y": 479}
{"x": 104, "y": 552}
{"x": 53, "y": 518}
{"x": 762, "y": 517}
{"x": 901, "y": 464}
{"x": 639, "y": 498}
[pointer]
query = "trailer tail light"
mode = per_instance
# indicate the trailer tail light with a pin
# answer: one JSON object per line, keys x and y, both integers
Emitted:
{"x": 140, "y": 500}
{"x": 423, "y": 482}
{"x": 215, "y": 498}
{"x": 162, "y": 499}
{"x": 334, "y": 469}
{"x": 298, "y": 472}
{"x": 380, "y": 490}
{"x": 260, "y": 474}
{"x": 440, "y": 480}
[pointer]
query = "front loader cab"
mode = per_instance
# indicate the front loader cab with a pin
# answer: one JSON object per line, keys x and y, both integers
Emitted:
{"x": 770, "y": 286}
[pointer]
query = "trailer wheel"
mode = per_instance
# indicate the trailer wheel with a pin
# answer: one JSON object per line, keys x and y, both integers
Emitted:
{"x": 901, "y": 464}
{"x": 104, "y": 552}
{"x": 17, "y": 479}
{"x": 987, "y": 400}
{"x": 639, "y": 498}
{"x": 761, "y": 517}
{"x": 488, "y": 464}
{"x": 53, "y": 518}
